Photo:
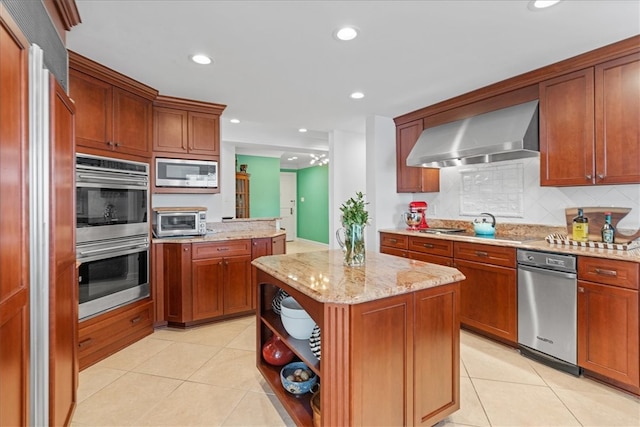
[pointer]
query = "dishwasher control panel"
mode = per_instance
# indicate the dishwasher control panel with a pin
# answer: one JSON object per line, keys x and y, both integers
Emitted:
{"x": 548, "y": 260}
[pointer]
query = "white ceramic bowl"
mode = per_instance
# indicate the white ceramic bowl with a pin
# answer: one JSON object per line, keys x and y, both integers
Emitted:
{"x": 295, "y": 320}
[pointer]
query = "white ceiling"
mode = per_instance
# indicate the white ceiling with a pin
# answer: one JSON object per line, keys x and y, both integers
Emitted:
{"x": 278, "y": 68}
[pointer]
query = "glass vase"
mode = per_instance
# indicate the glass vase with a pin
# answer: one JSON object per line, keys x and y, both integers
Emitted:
{"x": 353, "y": 246}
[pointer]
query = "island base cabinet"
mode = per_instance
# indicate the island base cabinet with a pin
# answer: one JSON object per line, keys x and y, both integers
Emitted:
{"x": 391, "y": 361}
{"x": 608, "y": 334}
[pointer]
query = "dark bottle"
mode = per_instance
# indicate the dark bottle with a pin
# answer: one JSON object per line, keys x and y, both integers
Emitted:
{"x": 608, "y": 231}
{"x": 580, "y": 227}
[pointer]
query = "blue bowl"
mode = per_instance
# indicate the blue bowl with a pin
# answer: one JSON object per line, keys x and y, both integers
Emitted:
{"x": 294, "y": 387}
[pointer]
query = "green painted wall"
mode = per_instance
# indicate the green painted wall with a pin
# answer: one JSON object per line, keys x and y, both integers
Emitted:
{"x": 264, "y": 185}
{"x": 313, "y": 213}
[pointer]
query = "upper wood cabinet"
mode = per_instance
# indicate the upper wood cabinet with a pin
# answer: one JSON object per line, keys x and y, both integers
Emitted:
{"x": 589, "y": 126}
{"x": 182, "y": 126}
{"x": 412, "y": 179}
{"x": 113, "y": 112}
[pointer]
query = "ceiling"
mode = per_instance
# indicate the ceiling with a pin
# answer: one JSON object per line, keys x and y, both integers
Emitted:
{"x": 277, "y": 66}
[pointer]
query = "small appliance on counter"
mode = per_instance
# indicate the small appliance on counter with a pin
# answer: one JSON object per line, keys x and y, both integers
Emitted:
{"x": 179, "y": 221}
{"x": 483, "y": 227}
{"x": 416, "y": 217}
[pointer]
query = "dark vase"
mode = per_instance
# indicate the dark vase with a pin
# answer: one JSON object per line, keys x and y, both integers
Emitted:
{"x": 275, "y": 352}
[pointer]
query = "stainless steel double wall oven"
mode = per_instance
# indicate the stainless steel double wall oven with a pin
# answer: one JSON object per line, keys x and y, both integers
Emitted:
{"x": 112, "y": 239}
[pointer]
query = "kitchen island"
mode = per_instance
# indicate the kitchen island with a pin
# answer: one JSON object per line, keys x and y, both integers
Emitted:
{"x": 390, "y": 345}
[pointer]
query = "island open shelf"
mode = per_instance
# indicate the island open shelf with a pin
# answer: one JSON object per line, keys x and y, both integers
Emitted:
{"x": 390, "y": 336}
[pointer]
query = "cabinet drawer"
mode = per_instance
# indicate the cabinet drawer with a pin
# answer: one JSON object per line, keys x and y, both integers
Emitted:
{"x": 431, "y": 246}
{"x": 486, "y": 254}
{"x": 393, "y": 240}
{"x": 394, "y": 251}
{"x": 611, "y": 272}
{"x": 434, "y": 259}
{"x": 106, "y": 334}
{"x": 220, "y": 249}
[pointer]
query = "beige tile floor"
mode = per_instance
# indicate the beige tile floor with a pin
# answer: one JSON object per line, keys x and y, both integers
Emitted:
{"x": 206, "y": 376}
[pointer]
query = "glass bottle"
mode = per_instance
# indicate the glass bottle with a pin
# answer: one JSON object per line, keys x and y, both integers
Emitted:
{"x": 608, "y": 231}
{"x": 580, "y": 227}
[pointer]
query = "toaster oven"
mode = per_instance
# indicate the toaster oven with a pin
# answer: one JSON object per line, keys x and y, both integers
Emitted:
{"x": 174, "y": 222}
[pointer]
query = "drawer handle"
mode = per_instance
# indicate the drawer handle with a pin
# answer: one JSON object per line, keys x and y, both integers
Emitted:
{"x": 135, "y": 320}
{"x": 603, "y": 272}
{"x": 428, "y": 245}
{"x": 85, "y": 343}
{"x": 482, "y": 253}
{"x": 393, "y": 240}
{"x": 222, "y": 249}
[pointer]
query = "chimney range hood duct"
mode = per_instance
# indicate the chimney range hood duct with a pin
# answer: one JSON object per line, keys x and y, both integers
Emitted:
{"x": 506, "y": 134}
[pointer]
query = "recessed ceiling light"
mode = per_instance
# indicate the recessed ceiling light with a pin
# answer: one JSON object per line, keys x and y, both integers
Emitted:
{"x": 234, "y": 121}
{"x": 302, "y": 130}
{"x": 201, "y": 59}
{"x": 357, "y": 95}
{"x": 542, "y": 4}
{"x": 346, "y": 33}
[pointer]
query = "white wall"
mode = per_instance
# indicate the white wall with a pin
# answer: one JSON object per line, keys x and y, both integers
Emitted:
{"x": 542, "y": 205}
{"x": 347, "y": 174}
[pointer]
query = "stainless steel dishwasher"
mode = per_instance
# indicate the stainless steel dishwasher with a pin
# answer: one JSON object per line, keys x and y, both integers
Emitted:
{"x": 547, "y": 308}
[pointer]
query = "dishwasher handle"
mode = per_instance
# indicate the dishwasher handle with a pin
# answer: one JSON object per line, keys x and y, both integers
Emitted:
{"x": 547, "y": 271}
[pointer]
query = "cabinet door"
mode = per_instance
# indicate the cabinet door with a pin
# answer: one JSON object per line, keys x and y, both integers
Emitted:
{"x": 412, "y": 179}
{"x": 204, "y": 134}
{"x": 177, "y": 282}
{"x": 132, "y": 122}
{"x": 93, "y": 101}
{"x": 488, "y": 299}
{"x": 207, "y": 277}
{"x": 567, "y": 130}
{"x": 238, "y": 295}
{"x": 617, "y": 86}
{"x": 608, "y": 332}
{"x": 170, "y": 130}
{"x": 14, "y": 227}
{"x": 63, "y": 284}
{"x": 279, "y": 245}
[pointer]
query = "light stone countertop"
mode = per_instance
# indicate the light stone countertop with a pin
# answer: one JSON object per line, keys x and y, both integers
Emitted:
{"x": 524, "y": 242}
{"x": 221, "y": 236}
{"x": 322, "y": 275}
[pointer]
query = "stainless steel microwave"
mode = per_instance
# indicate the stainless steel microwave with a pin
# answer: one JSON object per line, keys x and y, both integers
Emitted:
{"x": 186, "y": 173}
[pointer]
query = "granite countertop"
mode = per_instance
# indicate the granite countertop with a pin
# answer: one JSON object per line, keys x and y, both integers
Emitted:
{"x": 322, "y": 276}
{"x": 219, "y": 236}
{"x": 528, "y": 242}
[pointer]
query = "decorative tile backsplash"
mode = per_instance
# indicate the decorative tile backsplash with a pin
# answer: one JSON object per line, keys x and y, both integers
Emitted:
{"x": 540, "y": 205}
{"x": 498, "y": 189}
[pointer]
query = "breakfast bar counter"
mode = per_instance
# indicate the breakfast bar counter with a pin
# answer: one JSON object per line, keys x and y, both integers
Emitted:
{"x": 390, "y": 344}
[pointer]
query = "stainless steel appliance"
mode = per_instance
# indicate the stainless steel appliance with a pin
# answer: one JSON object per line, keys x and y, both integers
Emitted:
{"x": 547, "y": 308}
{"x": 186, "y": 173}
{"x": 169, "y": 222}
{"x": 113, "y": 272}
{"x": 112, "y": 238}
{"x": 111, "y": 198}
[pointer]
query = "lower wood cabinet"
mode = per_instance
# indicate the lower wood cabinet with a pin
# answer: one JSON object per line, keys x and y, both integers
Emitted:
{"x": 608, "y": 331}
{"x": 393, "y": 361}
{"x": 104, "y": 335}
{"x": 435, "y": 251}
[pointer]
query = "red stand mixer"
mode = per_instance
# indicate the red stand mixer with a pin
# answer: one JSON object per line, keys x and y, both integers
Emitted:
{"x": 416, "y": 217}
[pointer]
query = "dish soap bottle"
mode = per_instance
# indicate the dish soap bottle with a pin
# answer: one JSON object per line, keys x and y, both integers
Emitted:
{"x": 608, "y": 231}
{"x": 580, "y": 227}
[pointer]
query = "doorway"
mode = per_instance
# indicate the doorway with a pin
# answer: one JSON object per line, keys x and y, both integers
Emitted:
{"x": 288, "y": 211}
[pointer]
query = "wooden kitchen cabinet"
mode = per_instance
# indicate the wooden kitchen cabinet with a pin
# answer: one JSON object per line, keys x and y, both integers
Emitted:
{"x": 102, "y": 336}
{"x": 608, "y": 331}
{"x": 489, "y": 294}
{"x": 186, "y": 127}
{"x": 437, "y": 251}
{"x": 419, "y": 352}
{"x": 589, "y": 127}
{"x": 113, "y": 112}
{"x": 413, "y": 179}
{"x": 242, "y": 195}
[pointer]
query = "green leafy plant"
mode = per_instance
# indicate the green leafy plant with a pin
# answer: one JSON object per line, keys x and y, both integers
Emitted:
{"x": 354, "y": 212}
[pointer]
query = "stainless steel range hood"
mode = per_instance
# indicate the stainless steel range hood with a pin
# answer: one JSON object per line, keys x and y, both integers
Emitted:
{"x": 506, "y": 134}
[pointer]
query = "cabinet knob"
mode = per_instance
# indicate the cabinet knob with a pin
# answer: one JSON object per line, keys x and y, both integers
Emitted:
{"x": 185, "y": 249}
{"x": 117, "y": 144}
{"x": 580, "y": 289}
{"x": 110, "y": 144}
{"x": 588, "y": 177}
{"x": 600, "y": 176}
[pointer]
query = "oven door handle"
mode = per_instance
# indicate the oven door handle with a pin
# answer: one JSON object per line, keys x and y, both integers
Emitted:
{"x": 133, "y": 181}
{"x": 112, "y": 248}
